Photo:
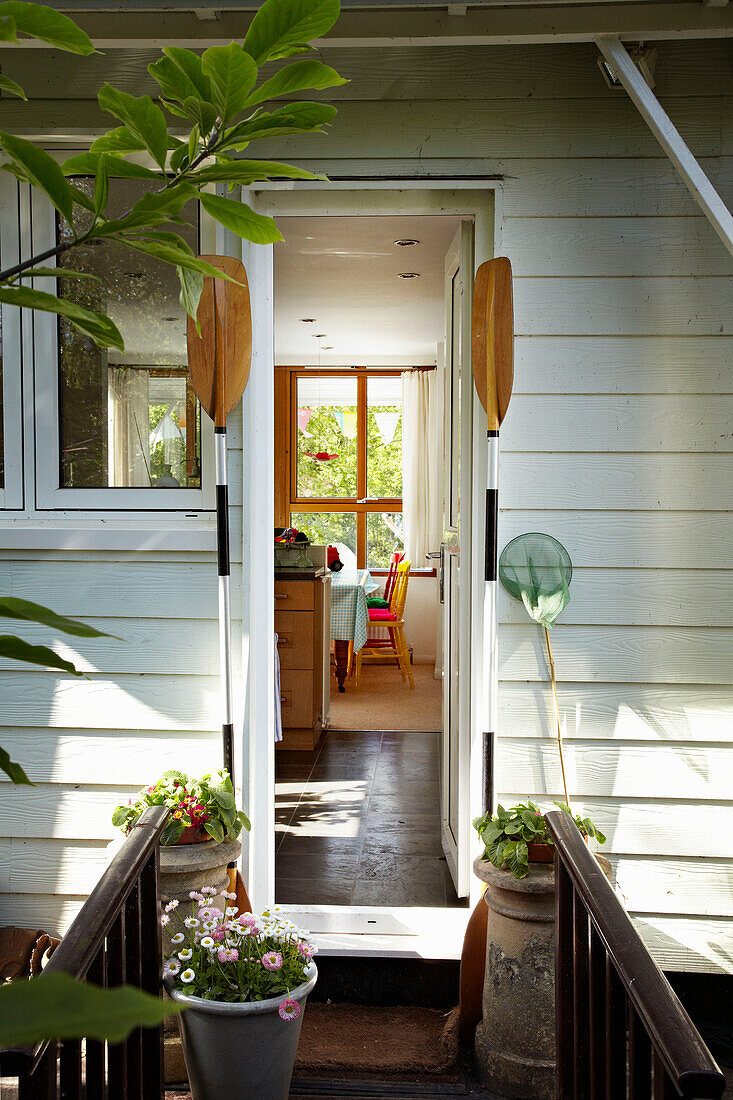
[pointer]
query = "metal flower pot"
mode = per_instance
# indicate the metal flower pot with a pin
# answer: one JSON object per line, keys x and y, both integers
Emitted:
{"x": 240, "y": 1050}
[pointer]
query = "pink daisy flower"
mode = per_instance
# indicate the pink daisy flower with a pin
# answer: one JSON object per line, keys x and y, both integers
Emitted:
{"x": 219, "y": 934}
{"x": 273, "y": 961}
{"x": 165, "y": 919}
{"x": 307, "y": 950}
{"x": 289, "y": 1010}
{"x": 228, "y": 954}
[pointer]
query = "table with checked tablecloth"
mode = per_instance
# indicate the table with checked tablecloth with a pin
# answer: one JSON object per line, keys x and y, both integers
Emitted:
{"x": 349, "y": 614}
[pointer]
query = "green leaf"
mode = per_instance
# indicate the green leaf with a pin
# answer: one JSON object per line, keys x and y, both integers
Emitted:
{"x": 516, "y": 857}
{"x": 19, "y": 650}
{"x": 180, "y": 255}
{"x": 13, "y": 771}
{"x": 154, "y": 208}
{"x": 121, "y": 815}
{"x": 215, "y": 830}
{"x": 57, "y": 273}
{"x": 12, "y": 608}
{"x": 241, "y": 219}
{"x": 143, "y": 118}
{"x": 296, "y": 118}
{"x": 281, "y": 26}
{"x": 296, "y": 77}
{"x": 103, "y": 331}
{"x": 41, "y": 170}
{"x": 8, "y": 85}
{"x": 247, "y": 171}
{"x": 8, "y": 29}
{"x": 101, "y": 185}
{"x": 55, "y": 1006}
{"x": 232, "y": 73}
{"x": 180, "y": 75}
{"x": 244, "y": 820}
{"x": 192, "y": 285}
{"x": 122, "y": 140}
{"x": 48, "y": 25}
{"x": 86, "y": 164}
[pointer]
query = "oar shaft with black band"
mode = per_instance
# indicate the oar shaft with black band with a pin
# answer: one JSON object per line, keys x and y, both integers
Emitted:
{"x": 218, "y": 361}
{"x": 225, "y": 598}
{"x": 491, "y": 670}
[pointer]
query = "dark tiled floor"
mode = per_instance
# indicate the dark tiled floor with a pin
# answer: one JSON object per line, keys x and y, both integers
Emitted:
{"x": 358, "y": 822}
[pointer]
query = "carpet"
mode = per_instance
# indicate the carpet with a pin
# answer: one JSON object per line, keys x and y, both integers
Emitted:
{"x": 383, "y": 702}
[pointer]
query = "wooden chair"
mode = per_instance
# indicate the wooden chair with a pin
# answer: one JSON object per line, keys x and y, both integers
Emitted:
{"x": 397, "y": 557}
{"x": 393, "y": 621}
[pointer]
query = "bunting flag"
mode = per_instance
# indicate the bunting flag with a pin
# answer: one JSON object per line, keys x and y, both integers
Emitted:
{"x": 348, "y": 424}
{"x": 387, "y": 425}
{"x": 165, "y": 429}
{"x": 338, "y": 414}
{"x": 304, "y": 416}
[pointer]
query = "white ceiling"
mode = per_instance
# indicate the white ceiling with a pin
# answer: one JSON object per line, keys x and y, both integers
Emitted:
{"x": 344, "y": 272}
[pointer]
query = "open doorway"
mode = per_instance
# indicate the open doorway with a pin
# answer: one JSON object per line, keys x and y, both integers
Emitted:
{"x": 367, "y": 318}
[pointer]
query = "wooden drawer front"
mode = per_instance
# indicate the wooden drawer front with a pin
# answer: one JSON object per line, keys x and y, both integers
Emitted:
{"x": 294, "y": 595}
{"x": 295, "y": 638}
{"x": 296, "y": 697}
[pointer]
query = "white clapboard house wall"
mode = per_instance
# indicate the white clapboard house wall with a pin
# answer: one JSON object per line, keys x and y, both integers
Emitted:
{"x": 617, "y": 442}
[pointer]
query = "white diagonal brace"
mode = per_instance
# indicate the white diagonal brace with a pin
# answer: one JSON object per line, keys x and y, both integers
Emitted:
{"x": 656, "y": 118}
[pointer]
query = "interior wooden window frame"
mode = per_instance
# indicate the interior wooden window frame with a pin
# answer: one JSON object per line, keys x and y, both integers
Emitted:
{"x": 358, "y": 504}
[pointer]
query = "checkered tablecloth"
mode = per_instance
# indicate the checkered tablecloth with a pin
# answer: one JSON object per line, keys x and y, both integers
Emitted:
{"x": 349, "y": 616}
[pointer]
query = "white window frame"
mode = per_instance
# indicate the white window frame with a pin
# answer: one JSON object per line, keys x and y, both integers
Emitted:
{"x": 50, "y": 495}
{"x": 11, "y": 495}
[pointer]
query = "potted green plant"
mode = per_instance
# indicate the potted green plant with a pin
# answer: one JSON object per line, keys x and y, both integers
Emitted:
{"x": 201, "y": 809}
{"x": 244, "y": 981}
{"x": 516, "y": 837}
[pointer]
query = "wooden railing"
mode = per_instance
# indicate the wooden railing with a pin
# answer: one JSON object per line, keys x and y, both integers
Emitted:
{"x": 115, "y": 940}
{"x": 621, "y": 1030}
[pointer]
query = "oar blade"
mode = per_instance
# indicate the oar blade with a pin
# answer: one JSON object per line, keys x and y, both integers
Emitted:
{"x": 492, "y": 338}
{"x": 219, "y": 359}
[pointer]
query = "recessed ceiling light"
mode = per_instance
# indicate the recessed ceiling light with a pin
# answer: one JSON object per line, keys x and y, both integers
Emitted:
{"x": 171, "y": 318}
{"x": 408, "y": 275}
{"x": 326, "y": 347}
{"x": 307, "y": 320}
{"x": 134, "y": 275}
{"x": 319, "y": 335}
{"x": 405, "y": 242}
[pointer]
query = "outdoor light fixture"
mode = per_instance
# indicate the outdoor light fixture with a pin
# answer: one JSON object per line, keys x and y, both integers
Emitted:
{"x": 408, "y": 275}
{"x": 645, "y": 59}
{"x": 406, "y": 242}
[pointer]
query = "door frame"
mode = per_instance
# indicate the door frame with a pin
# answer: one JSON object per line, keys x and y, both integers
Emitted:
{"x": 376, "y": 930}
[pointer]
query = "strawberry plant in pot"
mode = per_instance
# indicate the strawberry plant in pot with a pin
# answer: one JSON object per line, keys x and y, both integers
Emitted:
{"x": 516, "y": 837}
{"x": 201, "y": 809}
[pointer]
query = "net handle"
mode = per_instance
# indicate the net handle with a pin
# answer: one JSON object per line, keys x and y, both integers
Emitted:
{"x": 557, "y": 716}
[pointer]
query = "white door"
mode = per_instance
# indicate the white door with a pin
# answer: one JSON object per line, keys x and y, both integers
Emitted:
{"x": 456, "y": 578}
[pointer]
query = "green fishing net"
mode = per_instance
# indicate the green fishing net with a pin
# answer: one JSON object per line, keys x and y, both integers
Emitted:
{"x": 536, "y": 569}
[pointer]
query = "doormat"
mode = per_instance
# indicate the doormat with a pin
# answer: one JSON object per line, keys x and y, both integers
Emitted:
{"x": 361, "y": 1041}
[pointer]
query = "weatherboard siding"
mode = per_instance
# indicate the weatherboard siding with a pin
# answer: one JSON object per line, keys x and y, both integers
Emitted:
{"x": 617, "y": 441}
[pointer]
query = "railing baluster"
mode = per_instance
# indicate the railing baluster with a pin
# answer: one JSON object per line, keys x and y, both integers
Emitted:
{"x": 70, "y": 1069}
{"x": 564, "y": 982}
{"x": 41, "y": 1084}
{"x": 640, "y": 1059}
{"x": 96, "y": 1052}
{"x": 615, "y": 1034}
{"x": 117, "y": 1054}
{"x": 133, "y": 1055}
{"x": 581, "y": 989}
{"x": 597, "y": 1017}
{"x": 663, "y": 1087}
{"x": 150, "y": 957}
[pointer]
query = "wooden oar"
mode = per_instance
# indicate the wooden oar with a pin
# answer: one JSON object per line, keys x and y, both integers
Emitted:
{"x": 218, "y": 366}
{"x": 492, "y": 354}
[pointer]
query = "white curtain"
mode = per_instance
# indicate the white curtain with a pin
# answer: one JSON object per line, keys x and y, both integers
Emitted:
{"x": 129, "y": 428}
{"x": 421, "y": 478}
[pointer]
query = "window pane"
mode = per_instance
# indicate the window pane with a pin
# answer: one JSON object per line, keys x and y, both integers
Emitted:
{"x": 329, "y": 528}
{"x": 128, "y": 419}
{"x": 384, "y": 536}
{"x": 326, "y": 437}
{"x": 384, "y": 437}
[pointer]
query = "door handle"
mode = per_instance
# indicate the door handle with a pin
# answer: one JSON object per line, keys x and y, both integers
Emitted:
{"x": 435, "y": 554}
